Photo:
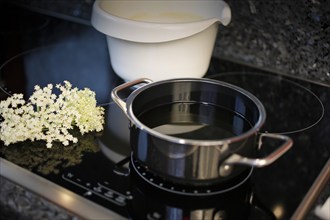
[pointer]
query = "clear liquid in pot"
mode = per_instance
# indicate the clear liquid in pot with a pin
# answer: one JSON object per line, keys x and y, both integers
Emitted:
{"x": 198, "y": 121}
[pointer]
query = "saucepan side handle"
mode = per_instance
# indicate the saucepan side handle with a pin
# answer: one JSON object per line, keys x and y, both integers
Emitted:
{"x": 261, "y": 162}
{"x": 114, "y": 93}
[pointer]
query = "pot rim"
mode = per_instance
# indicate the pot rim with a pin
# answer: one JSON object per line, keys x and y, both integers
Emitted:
{"x": 253, "y": 131}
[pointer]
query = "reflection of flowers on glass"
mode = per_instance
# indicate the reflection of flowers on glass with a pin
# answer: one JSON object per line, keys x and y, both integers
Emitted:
{"x": 50, "y": 117}
{"x": 35, "y": 156}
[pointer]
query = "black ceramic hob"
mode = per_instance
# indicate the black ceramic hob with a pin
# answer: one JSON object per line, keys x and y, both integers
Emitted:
{"x": 99, "y": 168}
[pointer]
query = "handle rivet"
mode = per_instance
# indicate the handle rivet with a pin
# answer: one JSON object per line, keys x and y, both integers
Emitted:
{"x": 225, "y": 170}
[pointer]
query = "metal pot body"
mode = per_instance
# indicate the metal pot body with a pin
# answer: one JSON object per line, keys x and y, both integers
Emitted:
{"x": 199, "y": 154}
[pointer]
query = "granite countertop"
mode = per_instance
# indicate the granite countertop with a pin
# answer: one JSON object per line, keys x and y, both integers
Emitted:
{"x": 19, "y": 203}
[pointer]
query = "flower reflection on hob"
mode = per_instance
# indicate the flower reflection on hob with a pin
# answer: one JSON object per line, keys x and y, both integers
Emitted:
{"x": 36, "y": 157}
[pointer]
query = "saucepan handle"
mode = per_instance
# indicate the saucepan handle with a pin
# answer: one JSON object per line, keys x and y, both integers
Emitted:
{"x": 261, "y": 162}
{"x": 119, "y": 101}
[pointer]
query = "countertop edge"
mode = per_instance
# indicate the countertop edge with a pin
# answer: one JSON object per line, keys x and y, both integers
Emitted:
{"x": 313, "y": 193}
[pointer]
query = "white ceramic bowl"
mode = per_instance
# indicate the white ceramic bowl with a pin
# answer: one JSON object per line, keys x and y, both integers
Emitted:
{"x": 160, "y": 39}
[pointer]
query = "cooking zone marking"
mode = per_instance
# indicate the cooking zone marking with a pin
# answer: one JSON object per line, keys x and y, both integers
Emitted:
{"x": 172, "y": 188}
{"x": 277, "y": 89}
{"x": 97, "y": 189}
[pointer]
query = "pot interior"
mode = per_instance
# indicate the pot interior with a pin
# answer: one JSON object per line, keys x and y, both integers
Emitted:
{"x": 197, "y": 109}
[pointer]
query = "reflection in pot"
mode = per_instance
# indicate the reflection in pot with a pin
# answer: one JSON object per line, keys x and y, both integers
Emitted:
{"x": 114, "y": 141}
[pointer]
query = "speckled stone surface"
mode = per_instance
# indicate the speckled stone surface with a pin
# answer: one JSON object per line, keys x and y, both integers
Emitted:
{"x": 18, "y": 203}
{"x": 289, "y": 37}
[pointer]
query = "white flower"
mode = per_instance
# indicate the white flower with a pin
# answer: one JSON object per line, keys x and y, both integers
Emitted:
{"x": 49, "y": 117}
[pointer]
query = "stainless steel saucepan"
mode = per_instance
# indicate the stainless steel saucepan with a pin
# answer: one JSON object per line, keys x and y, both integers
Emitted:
{"x": 196, "y": 131}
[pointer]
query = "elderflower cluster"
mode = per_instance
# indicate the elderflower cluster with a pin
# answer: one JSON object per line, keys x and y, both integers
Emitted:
{"x": 50, "y": 117}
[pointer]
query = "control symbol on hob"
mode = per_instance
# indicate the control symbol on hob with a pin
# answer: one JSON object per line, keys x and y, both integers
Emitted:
{"x": 97, "y": 189}
{"x": 88, "y": 193}
{"x": 109, "y": 194}
{"x": 154, "y": 216}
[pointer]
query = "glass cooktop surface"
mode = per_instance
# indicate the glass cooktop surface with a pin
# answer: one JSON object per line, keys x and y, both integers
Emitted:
{"x": 97, "y": 168}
